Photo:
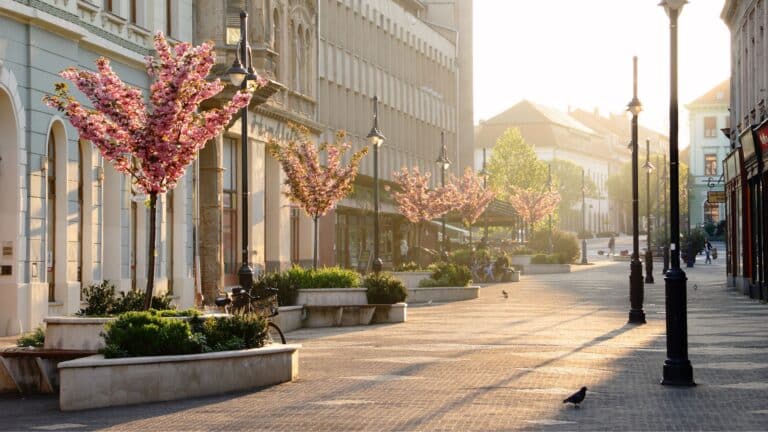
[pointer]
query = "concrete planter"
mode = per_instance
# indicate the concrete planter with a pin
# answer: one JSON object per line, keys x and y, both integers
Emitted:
{"x": 520, "y": 259}
{"x": 332, "y": 297}
{"x": 442, "y": 294}
{"x": 289, "y": 317}
{"x": 411, "y": 279}
{"x": 395, "y": 313}
{"x": 621, "y": 258}
{"x": 94, "y": 382}
{"x": 75, "y": 333}
{"x": 546, "y": 269}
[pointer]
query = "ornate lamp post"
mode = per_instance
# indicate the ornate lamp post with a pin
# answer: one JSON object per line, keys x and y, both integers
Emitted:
{"x": 240, "y": 73}
{"x": 648, "y": 252}
{"x": 444, "y": 163}
{"x": 665, "y": 179}
{"x": 583, "y": 221}
{"x": 376, "y": 138}
{"x": 677, "y": 368}
{"x": 636, "y": 313}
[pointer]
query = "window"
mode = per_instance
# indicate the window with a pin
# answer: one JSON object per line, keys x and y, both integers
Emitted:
{"x": 107, "y": 5}
{"x": 711, "y": 213}
{"x": 168, "y": 18}
{"x": 229, "y": 223}
{"x": 710, "y": 164}
{"x": 710, "y": 127}
{"x": 51, "y": 217}
{"x": 132, "y": 11}
{"x": 233, "y": 20}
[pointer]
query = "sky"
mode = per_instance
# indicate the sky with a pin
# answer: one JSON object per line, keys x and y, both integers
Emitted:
{"x": 578, "y": 53}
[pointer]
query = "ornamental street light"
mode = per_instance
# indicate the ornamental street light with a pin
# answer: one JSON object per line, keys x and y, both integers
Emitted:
{"x": 677, "y": 368}
{"x": 648, "y": 252}
{"x": 444, "y": 163}
{"x": 665, "y": 179}
{"x": 636, "y": 313}
{"x": 240, "y": 73}
{"x": 376, "y": 138}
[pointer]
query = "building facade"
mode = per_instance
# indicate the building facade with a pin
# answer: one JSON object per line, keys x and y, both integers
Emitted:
{"x": 416, "y": 56}
{"x": 745, "y": 175}
{"x": 707, "y": 115}
{"x": 67, "y": 219}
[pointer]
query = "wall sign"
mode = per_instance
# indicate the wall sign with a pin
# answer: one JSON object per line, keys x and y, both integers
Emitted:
{"x": 747, "y": 140}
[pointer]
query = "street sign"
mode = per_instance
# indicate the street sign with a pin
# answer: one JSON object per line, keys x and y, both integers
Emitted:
{"x": 715, "y": 197}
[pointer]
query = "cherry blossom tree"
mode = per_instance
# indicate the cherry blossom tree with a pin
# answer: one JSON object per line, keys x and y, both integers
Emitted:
{"x": 533, "y": 204}
{"x": 472, "y": 198}
{"x": 152, "y": 143}
{"x": 417, "y": 202}
{"x": 314, "y": 186}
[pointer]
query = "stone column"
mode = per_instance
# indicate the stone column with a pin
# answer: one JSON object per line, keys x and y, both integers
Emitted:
{"x": 277, "y": 234}
{"x": 211, "y": 214}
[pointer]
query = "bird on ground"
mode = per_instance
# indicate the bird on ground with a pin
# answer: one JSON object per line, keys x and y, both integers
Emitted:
{"x": 505, "y": 294}
{"x": 577, "y": 397}
{"x": 429, "y": 302}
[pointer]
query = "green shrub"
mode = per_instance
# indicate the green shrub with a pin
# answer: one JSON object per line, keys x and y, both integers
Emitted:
{"x": 693, "y": 242}
{"x": 522, "y": 250}
{"x": 234, "y": 332}
{"x": 173, "y": 313}
{"x": 447, "y": 274}
{"x": 286, "y": 282}
{"x": 584, "y": 235}
{"x": 326, "y": 277}
{"x": 145, "y": 334}
{"x": 33, "y": 339}
{"x": 384, "y": 289}
{"x": 547, "y": 259}
{"x": 564, "y": 244}
{"x": 100, "y": 300}
{"x": 463, "y": 257}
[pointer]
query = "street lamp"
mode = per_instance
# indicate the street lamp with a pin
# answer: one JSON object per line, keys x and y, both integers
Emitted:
{"x": 240, "y": 73}
{"x": 583, "y": 220}
{"x": 376, "y": 138}
{"x": 484, "y": 173}
{"x": 444, "y": 163}
{"x": 636, "y": 313}
{"x": 665, "y": 178}
{"x": 677, "y": 368}
{"x": 648, "y": 253}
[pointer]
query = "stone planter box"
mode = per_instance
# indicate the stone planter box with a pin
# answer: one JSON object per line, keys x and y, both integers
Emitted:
{"x": 622, "y": 258}
{"x": 94, "y": 382}
{"x": 74, "y": 333}
{"x": 289, "y": 317}
{"x": 395, "y": 313}
{"x": 332, "y": 297}
{"x": 520, "y": 260}
{"x": 411, "y": 279}
{"x": 442, "y": 294}
{"x": 546, "y": 268}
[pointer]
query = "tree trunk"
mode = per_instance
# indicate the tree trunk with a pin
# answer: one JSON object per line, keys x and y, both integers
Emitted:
{"x": 471, "y": 251}
{"x": 315, "y": 245}
{"x": 151, "y": 256}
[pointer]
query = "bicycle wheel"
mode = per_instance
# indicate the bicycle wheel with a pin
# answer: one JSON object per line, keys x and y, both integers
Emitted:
{"x": 275, "y": 334}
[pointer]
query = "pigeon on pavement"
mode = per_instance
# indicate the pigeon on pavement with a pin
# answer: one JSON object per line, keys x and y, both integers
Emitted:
{"x": 504, "y": 293}
{"x": 577, "y": 397}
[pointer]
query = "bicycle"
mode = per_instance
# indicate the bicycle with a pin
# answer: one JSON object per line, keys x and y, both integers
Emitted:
{"x": 242, "y": 302}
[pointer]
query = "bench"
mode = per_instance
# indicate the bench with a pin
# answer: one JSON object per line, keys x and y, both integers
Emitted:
{"x": 352, "y": 315}
{"x": 33, "y": 370}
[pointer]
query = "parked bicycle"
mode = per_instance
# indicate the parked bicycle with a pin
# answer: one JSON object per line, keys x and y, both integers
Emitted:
{"x": 241, "y": 302}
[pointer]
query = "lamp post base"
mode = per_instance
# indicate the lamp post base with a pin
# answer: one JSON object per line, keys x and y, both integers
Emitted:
{"x": 636, "y": 294}
{"x": 245, "y": 276}
{"x": 678, "y": 373}
{"x": 648, "y": 266}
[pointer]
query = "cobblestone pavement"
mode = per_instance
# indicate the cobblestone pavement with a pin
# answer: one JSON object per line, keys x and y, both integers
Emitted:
{"x": 493, "y": 364}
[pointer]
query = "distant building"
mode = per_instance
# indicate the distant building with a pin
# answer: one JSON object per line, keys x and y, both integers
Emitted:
{"x": 597, "y": 144}
{"x": 708, "y": 114}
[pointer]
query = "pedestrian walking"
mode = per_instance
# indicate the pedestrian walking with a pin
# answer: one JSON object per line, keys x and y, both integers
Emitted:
{"x": 611, "y": 246}
{"x": 708, "y": 252}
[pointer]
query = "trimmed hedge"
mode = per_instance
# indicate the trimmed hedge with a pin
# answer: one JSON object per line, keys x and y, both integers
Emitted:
{"x": 382, "y": 288}
{"x": 446, "y": 274}
{"x": 101, "y": 300}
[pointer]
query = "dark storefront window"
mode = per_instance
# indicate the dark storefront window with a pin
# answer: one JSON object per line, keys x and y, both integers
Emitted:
{"x": 229, "y": 222}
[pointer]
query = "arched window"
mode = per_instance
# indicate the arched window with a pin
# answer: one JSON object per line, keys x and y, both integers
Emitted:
{"x": 299, "y": 60}
{"x": 50, "y": 219}
{"x": 82, "y": 188}
{"x": 308, "y": 64}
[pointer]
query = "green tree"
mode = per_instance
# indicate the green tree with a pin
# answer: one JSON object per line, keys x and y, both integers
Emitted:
{"x": 566, "y": 176}
{"x": 513, "y": 163}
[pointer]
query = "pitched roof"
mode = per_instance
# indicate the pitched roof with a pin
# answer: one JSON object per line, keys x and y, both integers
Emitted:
{"x": 719, "y": 95}
{"x": 527, "y": 112}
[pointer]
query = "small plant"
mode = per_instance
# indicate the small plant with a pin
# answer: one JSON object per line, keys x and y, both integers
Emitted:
{"x": 384, "y": 289}
{"x": 100, "y": 300}
{"x": 34, "y": 339}
{"x": 447, "y": 274}
{"x": 326, "y": 277}
{"x": 286, "y": 285}
{"x": 522, "y": 250}
{"x": 564, "y": 244}
{"x": 234, "y": 332}
{"x": 409, "y": 267}
{"x": 547, "y": 259}
{"x": 145, "y": 334}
